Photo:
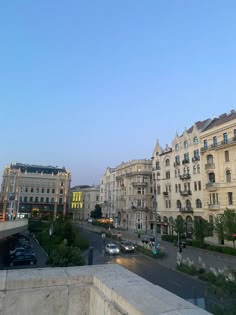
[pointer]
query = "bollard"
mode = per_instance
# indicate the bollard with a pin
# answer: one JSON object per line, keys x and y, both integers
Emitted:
{"x": 90, "y": 256}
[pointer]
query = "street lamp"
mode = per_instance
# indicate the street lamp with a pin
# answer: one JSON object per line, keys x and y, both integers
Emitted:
{"x": 155, "y": 217}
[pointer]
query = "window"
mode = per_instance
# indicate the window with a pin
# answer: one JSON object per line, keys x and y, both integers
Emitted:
{"x": 214, "y": 199}
{"x": 226, "y": 156}
{"x": 157, "y": 165}
{"x": 60, "y": 200}
{"x": 169, "y": 188}
{"x": 166, "y": 203}
{"x": 210, "y": 159}
{"x": 52, "y": 199}
{"x": 177, "y": 160}
{"x": 47, "y": 200}
{"x": 196, "y": 155}
{"x": 195, "y": 186}
{"x": 234, "y": 134}
{"x": 198, "y": 203}
{"x": 205, "y": 144}
{"x": 179, "y": 187}
{"x": 25, "y": 199}
{"x": 53, "y": 191}
{"x": 168, "y": 175}
{"x": 176, "y": 188}
{"x": 37, "y": 190}
{"x": 36, "y": 199}
{"x": 26, "y": 189}
{"x": 228, "y": 176}
{"x": 42, "y": 190}
{"x": 177, "y": 147}
{"x": 31, "y": 199}
{"x": 214, "y": 141}
{"x": 225, "y": 138}
{"x": 211, "y": 178}
{"x": 186, "y": 157}
{"x": 198, "y": 168}
{"x": 194, "y": 169}
{"x": 61, "y": 191}
{"x": 199, "y": 185}
{"x": 195, "y": 140}
{"x": 167, "y": 162}
{"x": 48, "y": 190}
{"x": 178, "y": 204}
{"x": 158, "y": 190}
{"x": 32, "y": 190}
{"x": 230, "y": 198}
{"x": 185, "y": 143}
{"x": 41, "y": 199}
{"x": 62, "y": 184}
{"x": 169, "y": 203}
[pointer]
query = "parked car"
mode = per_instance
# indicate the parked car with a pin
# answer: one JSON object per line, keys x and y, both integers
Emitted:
{"x": 23, "y": 259}
{"x": 112, "y": 249}
{"x": 90, "y": 220}
{"x": 126, "y": 246}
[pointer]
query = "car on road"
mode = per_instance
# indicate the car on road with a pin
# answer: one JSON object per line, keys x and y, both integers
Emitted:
{"x": 23, "y": 259}
{"x": 126, "y": 246}
{"x": 112, "y": 249}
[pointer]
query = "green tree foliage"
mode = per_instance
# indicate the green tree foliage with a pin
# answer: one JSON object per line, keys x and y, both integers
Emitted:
{"x": 64, "y": 256}
{"x": 179, "y": 226}
{"x": 202, "y": 229}
{"x": 97, "y": 212}
{"x": 229, "y": 221}
{"x": 219, "y": 227}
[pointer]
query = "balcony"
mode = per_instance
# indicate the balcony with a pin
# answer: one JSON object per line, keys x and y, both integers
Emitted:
{"x": 185, "y": 176}
{"x": 185, "y": 161}
{"x": 219, "y": 145}
{"x": 214, "y": 206}
{"x": 211, "y": 186}
{"x": 185, "y": 192}
{"x": 186, "y": 210}
{"x": 209, "y": 166}
{"x": 139, "y": 184}
{"x": 196, "y": 159}
{"x": 165, "y": 193}
{"x": 176, "y": 163}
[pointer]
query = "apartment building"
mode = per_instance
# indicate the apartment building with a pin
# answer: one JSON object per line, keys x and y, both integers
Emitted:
{"x": 108, "y": 194}
{"x": 83, "y": 200}
{"x": 218, "y": 153}
{"x": 197, "y": 175}
{"x": 128, "y": 187}
{"x": 37, "y": 189}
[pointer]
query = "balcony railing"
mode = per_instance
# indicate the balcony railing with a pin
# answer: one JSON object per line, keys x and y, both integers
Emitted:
{"x": 139, "y": 184}
{"x": 220, "y": 144}
{"x": 214, "y": 206}
{"x": 185, "y": 176}
{"x": 209, "y": 166}
{"x": 185, "y": 161}
{"x": 176, "y": 163}
{"x": 165, "y": 193}
{"x": 185, "y": 192}
{"x": 186, "y": 210}
{"x": 196, "y": 158}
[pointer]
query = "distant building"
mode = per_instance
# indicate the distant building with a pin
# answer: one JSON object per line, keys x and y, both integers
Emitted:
{"x": 126, "y": 195}
{"x": 34, "y": 189}
{"x": 83, "y": 200}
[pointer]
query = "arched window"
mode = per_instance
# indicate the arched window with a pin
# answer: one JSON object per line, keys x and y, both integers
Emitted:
{"x": 176, "y": 147}
{"x": 188, "y": 203}
{"x": 210, "y": 159}
{"x": 198, "y": 203}
{"x": 167, "y": 162}
{"x": 211, "y": 177}
{"x": 228, "y": 176}
{"x": 185, "y": 143}
{"x": 178, "y": 204}
{"x": 195, "y": 140}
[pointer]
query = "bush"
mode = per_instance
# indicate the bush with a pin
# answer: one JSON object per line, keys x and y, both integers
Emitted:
{"x": 149, "y": 252}
{"x": 192, "y": 271}
{"x": 169, "y": 238}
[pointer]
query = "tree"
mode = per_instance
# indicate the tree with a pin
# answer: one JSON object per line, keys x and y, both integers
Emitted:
{"x": 219, "y": 228}
{"x": 202, "y": 228}
{"x": 179, "y": 226}
{"x": 97, "y": 212}
{"x": 229, "y": 221}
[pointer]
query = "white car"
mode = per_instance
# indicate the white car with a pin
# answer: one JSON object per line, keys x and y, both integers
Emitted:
{"x": 90, "y": 220}
{"x": 112, "y": 249}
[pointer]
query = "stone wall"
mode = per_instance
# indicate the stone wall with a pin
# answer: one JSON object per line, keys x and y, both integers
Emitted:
{"x": 88, "y": 290}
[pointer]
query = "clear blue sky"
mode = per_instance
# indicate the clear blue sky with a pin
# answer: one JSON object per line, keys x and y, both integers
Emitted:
{"x": 89, "y": 84}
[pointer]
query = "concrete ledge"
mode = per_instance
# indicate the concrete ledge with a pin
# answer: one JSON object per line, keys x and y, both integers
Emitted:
{"x": 91, "y": 290}
{"x": 8, "y": 228}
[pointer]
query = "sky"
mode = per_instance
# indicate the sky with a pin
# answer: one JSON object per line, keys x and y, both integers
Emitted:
{"x": 91, "y": 84}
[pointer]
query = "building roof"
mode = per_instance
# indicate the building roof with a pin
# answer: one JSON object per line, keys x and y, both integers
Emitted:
{"x": 222, "y": 119}
{"x": 38, "y": 168}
